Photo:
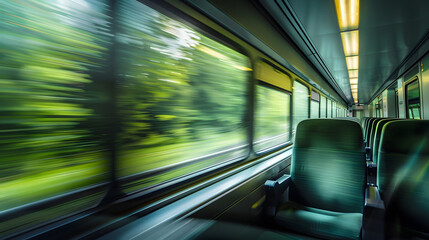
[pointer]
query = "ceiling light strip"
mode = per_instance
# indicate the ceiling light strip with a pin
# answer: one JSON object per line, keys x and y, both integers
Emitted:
{"x": 348, "y": 21}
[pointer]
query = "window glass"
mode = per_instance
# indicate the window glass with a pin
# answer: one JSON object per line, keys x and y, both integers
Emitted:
{"x": 334, "y": 109}
{"x": 323, "y": 107}
{"x": 51, "y": 70}
{"x": 413, "y": 100}
{"x": 300, "y": 103}
{"x": 315, "y": 104}
{"x": 315, "y": 109}
{"x": 181, "y": 97}
{"x": 272, "y": 124}
{"x": 329, "y": 109}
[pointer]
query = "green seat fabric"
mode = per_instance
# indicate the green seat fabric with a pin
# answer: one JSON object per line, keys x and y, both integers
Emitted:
{"x": 403, "y": 177}
{"x": 367, "y": 128}
{"x": 327, "y": 173}
{"x": 320, "y": 223}
{"x": 372, "y": 131}
{"x": 328, "y": 165}
{"x": 377, "y": 137}
{"x": 327, "y": 179}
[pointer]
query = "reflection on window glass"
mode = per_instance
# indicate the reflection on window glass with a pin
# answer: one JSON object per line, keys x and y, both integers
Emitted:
{"x": 323, "y": 107}
{"x": 413, "y": 99}
{"x": 181, "y": 96}
{"x": 271, "y": 118}
{"x": 334, "y": 108}
{"x": 314, "y": 109}
{"x": 51, "y": 67}
{"x": 300, "y": 103}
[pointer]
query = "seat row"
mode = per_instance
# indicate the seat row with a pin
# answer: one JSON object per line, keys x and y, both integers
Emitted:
{"x": 372, "y": 129}
{"x": 327, "y": 192}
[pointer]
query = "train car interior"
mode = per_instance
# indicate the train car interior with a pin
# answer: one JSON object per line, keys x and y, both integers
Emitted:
{"x": 214, "y": 119}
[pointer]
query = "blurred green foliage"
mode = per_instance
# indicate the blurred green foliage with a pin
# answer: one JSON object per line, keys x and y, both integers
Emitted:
{"x": 50, "y": 52}
{"x": 180, "y": 93}
{"x": 77, "y": 76}
{"x": 177, "y": 95}
{"x": 271, "y": 118}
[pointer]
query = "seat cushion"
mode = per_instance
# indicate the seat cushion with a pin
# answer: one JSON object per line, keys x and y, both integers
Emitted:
{"x": 319, "y": 223}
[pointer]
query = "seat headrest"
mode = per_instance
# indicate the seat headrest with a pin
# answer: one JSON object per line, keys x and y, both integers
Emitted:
{"x": 336, "y": 134}
{"x": 405, "y": 137}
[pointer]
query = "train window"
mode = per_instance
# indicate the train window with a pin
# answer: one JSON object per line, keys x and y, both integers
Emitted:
{"x": 51, "y": 62}
{"x": 413, "y": 100}
{"x": 181, "y": 97}
{"x": 272, "y": 123}
{"x": 334, "y": 109}
{"x": 323, "y": 107}
{"x": 300, "y": 103}
{"x": 315, "y": 105}
{"x": 329, "y": 109}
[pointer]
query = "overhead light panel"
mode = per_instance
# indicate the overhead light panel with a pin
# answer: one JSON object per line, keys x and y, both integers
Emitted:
{"x": 348, "y": 22}
{"x": 353, "y": 74}
{"x": 352, "y": 62}
{"x": 353, "y": 81}
{"x": 348, "y": 14}
{"x": 350, "y": 42}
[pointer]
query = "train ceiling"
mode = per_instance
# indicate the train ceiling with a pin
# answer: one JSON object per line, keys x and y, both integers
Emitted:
{"x": 393, "y": 34}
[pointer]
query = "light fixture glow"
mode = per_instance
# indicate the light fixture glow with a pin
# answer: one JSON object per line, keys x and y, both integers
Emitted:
{"x": 352, "y": 62}
{"x": 353, "y": 73}
{"x": 348, "y": 22}
{"x": 350, "y": 42}
{"x": 353, "y": 81}
{"x": 347, "y": 14}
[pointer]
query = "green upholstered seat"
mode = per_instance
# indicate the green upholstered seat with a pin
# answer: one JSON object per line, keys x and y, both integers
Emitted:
{"x": 367, "y": 128}
{"x": 403, "y": 178}
{"x": 328, "y": 180}
{"x": 377, "y": 137}
{"x": 372, "y": 131}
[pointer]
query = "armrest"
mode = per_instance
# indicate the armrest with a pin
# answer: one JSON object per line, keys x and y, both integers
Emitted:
{"x": 273, "y": 193}
{"x": 373, "y": 214}
{"x": 371, "y": 170}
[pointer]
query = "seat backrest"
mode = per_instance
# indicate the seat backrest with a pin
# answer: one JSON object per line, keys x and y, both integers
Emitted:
{"x": 328, "y": 165}
{"x": 362, "y": 121}
{"x": 372, "y": 131}
{"x": 377, "y": 136}
{"x": 364, "y": 125}
{"x": 368, "y": 129}
{"x": 403, "y": 174}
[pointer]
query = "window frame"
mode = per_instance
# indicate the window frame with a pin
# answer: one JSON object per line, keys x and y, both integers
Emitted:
{"x": 221, "y": 37}
{"x": 278, "y": 146}
{"x": 407, "y": 84}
